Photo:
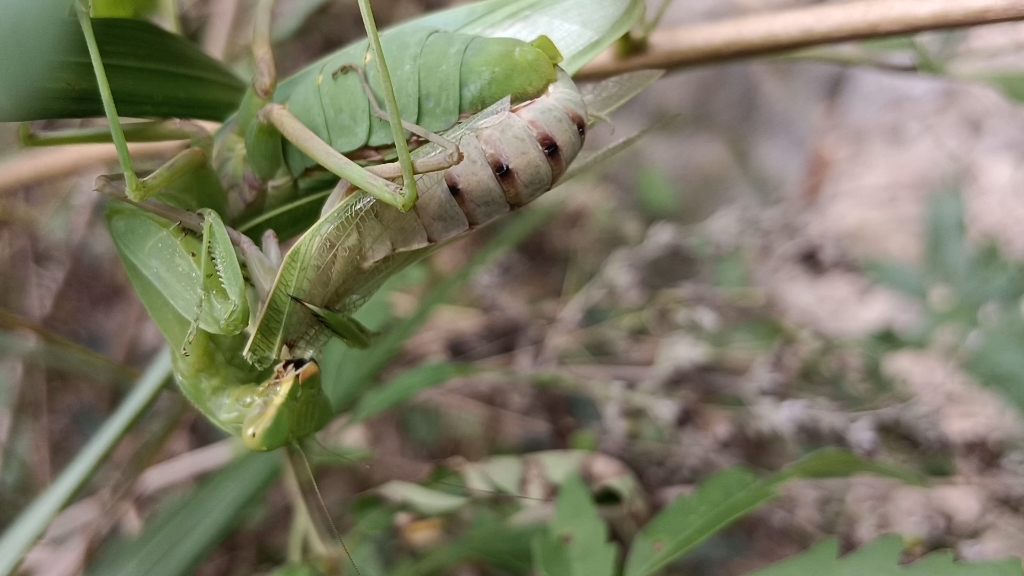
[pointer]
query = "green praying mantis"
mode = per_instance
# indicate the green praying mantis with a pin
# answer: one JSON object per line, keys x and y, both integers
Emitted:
{"x": 497, "y": 122}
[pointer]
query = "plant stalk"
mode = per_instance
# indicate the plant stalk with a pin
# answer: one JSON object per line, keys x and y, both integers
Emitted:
{"x": 784, "y": 30}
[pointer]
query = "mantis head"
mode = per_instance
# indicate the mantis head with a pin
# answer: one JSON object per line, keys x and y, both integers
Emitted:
{"x": 291, "y": 405}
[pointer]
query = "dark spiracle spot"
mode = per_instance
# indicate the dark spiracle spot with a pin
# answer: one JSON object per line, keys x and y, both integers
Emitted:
{"x": 551, "y": 149}
{"x": 502, "y": 170}
{"x": 581, "y": 127}
{"x": 454, "y": 190}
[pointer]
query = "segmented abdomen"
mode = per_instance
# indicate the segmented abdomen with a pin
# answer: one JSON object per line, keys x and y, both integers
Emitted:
{"x": 512, "y": 155}
{"x": 509, "y": 160}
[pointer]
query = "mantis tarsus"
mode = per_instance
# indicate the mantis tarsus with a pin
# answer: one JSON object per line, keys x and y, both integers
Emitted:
{"x": 185, "y": 267}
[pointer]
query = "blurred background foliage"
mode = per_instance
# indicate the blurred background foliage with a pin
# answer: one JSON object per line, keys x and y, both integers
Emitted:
{"x": 803, "y": 274}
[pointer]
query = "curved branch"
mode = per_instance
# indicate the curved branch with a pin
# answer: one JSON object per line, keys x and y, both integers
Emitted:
{"x": 763, "y": 34}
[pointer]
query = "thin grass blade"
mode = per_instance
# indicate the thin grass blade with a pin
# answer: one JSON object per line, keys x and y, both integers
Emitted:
{"x": 30, "y": 525}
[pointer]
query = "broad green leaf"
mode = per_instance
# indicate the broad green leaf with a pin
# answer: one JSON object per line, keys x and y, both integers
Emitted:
{"x": 881, "y": 558}
{"x": 182, "y": 534}
{"x": 33, "y": 36}
{"x": 152, "y": 73}
{"x": 421, "y": 499}
{"x": 121, "y": 8}
{"x": 550, "y": 557}
{"x": 723, "y": 499}
{"x": 405, "y": 386}
{"x": 30, "y": 524}
{"x": 576, "y": 542}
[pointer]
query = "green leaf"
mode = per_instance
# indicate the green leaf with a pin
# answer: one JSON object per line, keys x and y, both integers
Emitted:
{"x": 121, "y": 8}
{"x": 30, "y": 524}
{"x": 424, "y": 500}
{"x": 725, "y": 498}
{"x": 152, "y": 73}
{"x": 405, "y": 386}
{"x": 33, "y": 36}
{"x": 947, "y": 254}
{"x": 898, "y": 276}
{"x": 182, "y": 534}
{"x": 838, "y": 463}
{"x": 656, "y": 194}
{"x": 881, "y": 558}
{"x": 490, "y": 540}
{"x": 998, "y": 359}
{"x": 1012, "y": 85}
{"x": 550, "y": 557}
{"x": 576, "y": 543}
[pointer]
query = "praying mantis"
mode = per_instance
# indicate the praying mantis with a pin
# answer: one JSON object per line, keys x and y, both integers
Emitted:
{"x": 249, "y": 323}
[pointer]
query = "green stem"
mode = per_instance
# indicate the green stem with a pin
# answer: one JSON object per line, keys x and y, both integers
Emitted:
{"x": 391, "y": 105}
{"x": 134, "y": 187}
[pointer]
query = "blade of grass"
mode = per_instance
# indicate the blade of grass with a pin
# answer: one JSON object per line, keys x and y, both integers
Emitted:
{"x": 183, "y": 533}
{"x": 32, "y": 522}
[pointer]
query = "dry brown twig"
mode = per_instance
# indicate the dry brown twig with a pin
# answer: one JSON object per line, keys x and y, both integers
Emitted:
{"x": 41, "y": 164}
{"x": 784, "y": 30}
